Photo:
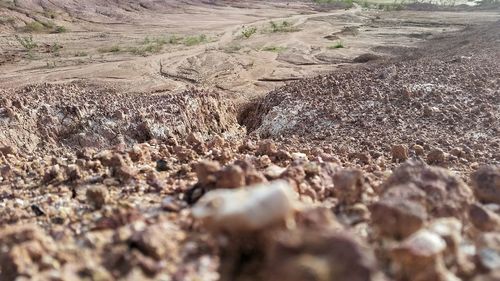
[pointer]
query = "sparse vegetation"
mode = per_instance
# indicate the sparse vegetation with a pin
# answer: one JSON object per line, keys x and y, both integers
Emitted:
{"x": 60, "y": 29}
{"x": 276, "y": 49}
{"x": 195, "y": 40}
{"x": 232, "y": 48}
{"x": 283, "y": 26}
{"x": 55, "y": 48}
{"x": 248, "y": 31}
{"x": 81, "y": 54}
{"x": 43, "y": 27}
{"x": 26, "y": 42}
{"x": 338, "y": 45}
{"x": 149, "y": 46}
{"x": 109, "y": 49}
{"x": 174, "y": 39}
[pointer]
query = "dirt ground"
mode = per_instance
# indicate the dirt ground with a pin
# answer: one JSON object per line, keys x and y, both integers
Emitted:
{"x": 249, "y": 140}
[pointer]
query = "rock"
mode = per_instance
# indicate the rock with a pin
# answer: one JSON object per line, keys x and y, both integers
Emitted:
{"x": 483, "y": 218}
{"x": 349, "y": 185}
{"x": 231, "y": 176}
{"x": 124, "y": 173}
{"x": 457, "y": 151}
{"x": 273, "y": 172}
{"x": 170, "y": 204}
{"x": 420, "y": 256}
{"x": 419, "y": 150}
{"x": 25, "y": 248}
{"x": 162, "y": 165}
{"x": 488, "y": 251}
{"x": 97, "y": 196}
{"x": 205, "y": 171}
{"x": 446, "y": 194}
{"x": 216, "y": 142}
{"x": 298, "y": 156}
{"x": 436, "y": 156}
{"x": 267, "y": 147}
{"x": 152, "y": 241}
{"x": 194, "y": 139}
{"x": 8, "y": 150}
{"x": 246, "y": 209}
{"x": 399, "y": 152}
{"x": 397, "y": 218}
{"x": 37, "y": 210}
{"x": 326, "y": 255}
{"x": 73, "y": 172}
{"x": 53, "y": 174}
{"x": 486, "y": 184}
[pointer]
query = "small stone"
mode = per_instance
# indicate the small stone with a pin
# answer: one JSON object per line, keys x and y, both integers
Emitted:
{"x": 162, "y": 165}
{"x": 457, "y": 152}
{"x": 398, "y": 218}
{"x": 194, "y": 139}
{"x": 267, "y": 147}
{"x": 37, "y": 210}
{"x": 97, "y": 196}
{"x": 73, "y": 172}
{"x": 298, "y": 156}
{"x": 486, "y": 184}
{"x": 399, "y": 152}
{"x": 205, "y": 171}
{"x": 246, "y": 209}
{"x": 349, "y": 185}
{"x": 8, "y": 150}
{"x": 170, "y": 204}
{"x": 216, "y": 142}
{"x": 419, "y": 150}
{"x": 231, "y": 176}
{"x": 436, "y": 156}
{"x": 483, "y": 218}
{"x": 124, "y": 173}
{"x": 274, "y": 172}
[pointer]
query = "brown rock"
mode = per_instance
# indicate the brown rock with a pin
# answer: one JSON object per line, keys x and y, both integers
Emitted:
{"x": 419, "y": 150}
{"x": 484, "y": 219}
{"x": 446, "y": 194}
{"x": 349, "y": 185}
{"x": 205, "y": 171}
{"x": 399, "y": 152}
{"x": 6, "y": 150}
{"x": 152, "y": 241}
{"x": 97, "y": 196}
{"x": 231, "y": 176}
{"x": 309, "y": 255}
{"x": 267, "y": 147}
{"x": 397, "y": 218}
{"x": 486, "y": 184}
{"x": 419, "y": 257}
{"x": 436, "y": 156}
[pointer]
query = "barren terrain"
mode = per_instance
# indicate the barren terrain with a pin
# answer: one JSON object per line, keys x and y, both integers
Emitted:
{"x": 249, "y": 140}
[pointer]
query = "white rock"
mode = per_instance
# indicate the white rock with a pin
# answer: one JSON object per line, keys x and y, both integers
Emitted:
{"x": 246, "y": 209}
{"x": 299, "y": 156}
{"x": 424, "y": 243}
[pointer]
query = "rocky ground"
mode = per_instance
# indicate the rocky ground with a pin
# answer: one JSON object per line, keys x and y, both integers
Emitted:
{"x": 387, "y": 168}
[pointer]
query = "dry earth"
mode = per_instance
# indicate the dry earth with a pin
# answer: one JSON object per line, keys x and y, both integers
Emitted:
{"x": 195, "y": 140}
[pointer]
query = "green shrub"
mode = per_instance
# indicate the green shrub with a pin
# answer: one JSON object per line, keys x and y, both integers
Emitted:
{"x": 110, "y": 49}
{"x": 284, "y": 26}
{"x": 248, "y": 32}
{"x": 338, "y": 45}
{"x": 26, "y": 42}
{"x": 60, "y": 29}
{"x": 195, "y": 40}
{"x": 276, "y": 49}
